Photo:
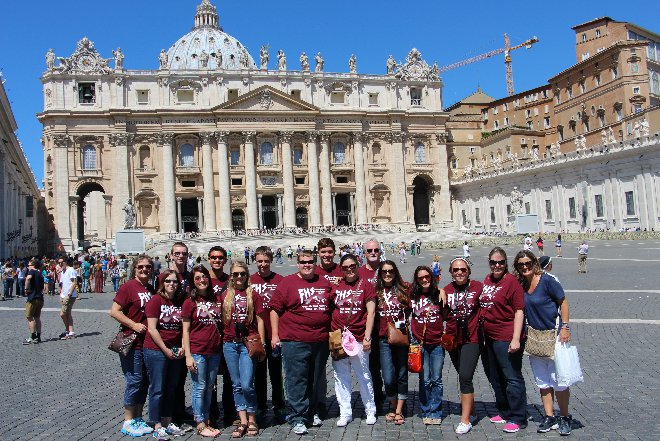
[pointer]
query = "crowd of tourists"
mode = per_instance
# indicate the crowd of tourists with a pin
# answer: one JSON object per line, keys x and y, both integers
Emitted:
{"x": 377, "y": 327}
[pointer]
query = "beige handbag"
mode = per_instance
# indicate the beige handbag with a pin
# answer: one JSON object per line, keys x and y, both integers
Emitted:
{"x": 541, "y": 343}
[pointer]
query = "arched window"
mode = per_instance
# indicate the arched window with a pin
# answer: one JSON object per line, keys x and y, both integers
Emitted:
{"x": 187, "y": 155}
{"x": 266, "y": 153}
{"x": 420, "y": 153}
{"x": 297, "y": 156}
{"x": 89, "y": 157}
{"x": 145, "y": 154}
{"x": 339, "y": 152}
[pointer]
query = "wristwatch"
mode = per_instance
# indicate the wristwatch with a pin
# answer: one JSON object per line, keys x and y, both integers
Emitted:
{"x": 367, "y": 339}
{"x": 565, "y": 326}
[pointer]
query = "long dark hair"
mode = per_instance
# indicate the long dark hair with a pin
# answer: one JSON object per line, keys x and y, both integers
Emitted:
{"x": 191, "y": 280}
{"x": 503, "y": 253}
{"x": 398, "y": 285}
{"x": 178, "y": 294}
{"x": 416, "y": 291}
{"x": 536, "y": 267}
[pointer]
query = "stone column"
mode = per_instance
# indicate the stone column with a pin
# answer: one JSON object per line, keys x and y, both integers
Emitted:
{"x": 280, "y": 219}
{"x": 352, "y": 198}
{"x": 61, "y": 185}
{"x": 178, "y": 215}
{"x": 360, "y": 186}
{"x": 287, "y": 178}
{"x": 73, "y": 216}
{"x": 334, "y": 209}
{"x": 200, "y": 214}
{"x": 108, "y": 217}
{"x": 122, "y": 184}
{"x": 168, "y": 213}
{"x": 260, "y": 209}
{"x": 313, "y": 174}
{"x": 224, "y": 186}
{"x": 399, "y": 202}
{"x": 251, "y": 223}
{"x": 444, "y": 202}
{"x": 326, "y": 180}
{"x": 209, "y": 184}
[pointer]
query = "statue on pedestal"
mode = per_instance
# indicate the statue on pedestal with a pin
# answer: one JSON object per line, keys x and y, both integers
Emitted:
{"x": 204, "y": 59}
{"x": 391, "y": 64}
{"x": 352, "y": 64}
{"x": 644, "y": 127}
{"x": 304, "y": 62}
{"x": 162, "y": 58}
{"x": 319, "y": 63}
{"x": 119, "y": 58}
{"x": 130, "y": 216}
{"x": 50, "y": 60}
{"x": 610, "y": 136}
{"x": 264, "y": 56}
{"x": 516, "y": 201}
{"x": 281, "y": 60}
{"x": 603, "y": 137}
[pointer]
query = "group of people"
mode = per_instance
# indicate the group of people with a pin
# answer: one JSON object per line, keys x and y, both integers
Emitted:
{"x": 201, "y": 322}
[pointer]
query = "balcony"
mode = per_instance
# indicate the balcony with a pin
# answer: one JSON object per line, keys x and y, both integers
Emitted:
{"x": 187, "y": 170}
{"x": 90, "y": 173}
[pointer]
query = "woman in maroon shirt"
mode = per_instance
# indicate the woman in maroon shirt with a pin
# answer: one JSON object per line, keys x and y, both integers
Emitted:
{"x": 426, "y": 324}
{"x": 393, "y": 306}
{"x": 201, "y": 342}
{"x": 163, "y": 355}
{"x": 463, "y": 323}
{"x": 502, "y": 306}
{"x": 240, "y": 318}
{"x": 128, "y": 309}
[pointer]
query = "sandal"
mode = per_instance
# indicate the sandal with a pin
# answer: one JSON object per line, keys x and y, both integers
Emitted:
{"x": 239, "y": 431}
{"x": 390, "y": 417}
{"x": 207, "y": 432}
{"x": 399, "y": 419}
{"x": 252, "y": 429}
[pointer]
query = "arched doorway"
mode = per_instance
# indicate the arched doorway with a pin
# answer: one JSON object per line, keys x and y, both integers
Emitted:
{"x": 269, "y": 211}
{"x": 421, "y": 201}
{"x": 91, "y": 223}
{"x": 238, "y": 220}
{"x": 301, "y": 217}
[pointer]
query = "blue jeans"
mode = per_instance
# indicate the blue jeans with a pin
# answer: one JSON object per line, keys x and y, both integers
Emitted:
{"x": 304, "y": 363}
{"x": 505, "y": 375}
{"x": 8, "y": 284}
{"x": 20, "y": 284}
{"x": 394, "y": 368}
{"x": 163, "y": 378}
{"x": 202, "y": 384}
{"x": 136, "y": 378}
{"x": 241, "y": 370}
{"x": 115, "y": 284}
{"x": 430, "y": 382}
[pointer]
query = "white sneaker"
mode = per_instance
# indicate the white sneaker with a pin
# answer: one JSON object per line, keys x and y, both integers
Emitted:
{"x": 371, "y": 419}
{"x": 343, "y": 421}
{"x": 463, "y": 428}
{"x": 299, "y": 429}
{"x": 317, "y": 421}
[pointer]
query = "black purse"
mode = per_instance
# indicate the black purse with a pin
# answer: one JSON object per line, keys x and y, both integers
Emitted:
{"x": 122, "y": 343}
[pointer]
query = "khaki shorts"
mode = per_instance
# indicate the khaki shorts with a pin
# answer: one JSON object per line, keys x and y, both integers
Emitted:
{"x": 67, "y": 304}
{"x": 33, "y": 308}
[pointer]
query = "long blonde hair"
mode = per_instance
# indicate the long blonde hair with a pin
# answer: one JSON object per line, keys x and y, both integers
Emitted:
{"x": 228, "y": 304}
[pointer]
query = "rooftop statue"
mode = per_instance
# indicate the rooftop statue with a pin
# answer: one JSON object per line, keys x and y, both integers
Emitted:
{"x": 119, "y": 58}
{"x": 304, "y": 62}
{"x": 281, "y": 60}
{"x": 264, "y": 57}
{"x": 319, "y": 62}
{"x": 50, "y": 60}
{"x": 352, "y": 64}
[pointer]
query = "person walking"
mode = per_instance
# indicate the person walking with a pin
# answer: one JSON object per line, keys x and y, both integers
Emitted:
{"x": 7, "y": 280}
{"x": 558, "y": 245}
{"x": 34, "y": 291}
{"x": 583, "y": 250}
{"x": 68, "y": 296}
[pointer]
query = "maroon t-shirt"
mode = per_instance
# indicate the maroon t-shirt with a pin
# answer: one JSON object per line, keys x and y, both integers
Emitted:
{"x": 426, "y": 312}
{"x": 498, "y": 303}
{"x": 349, "y": 306}
{"x": 204, "y": 337}
{"x": 239, "y": 314}
{"x": 390, "y": 311}
{"x": 218, "y": 283}
{"x": 265, "y": 287}
{"x": 169, "y": 324}
{"x": 303, "y": 307}
{"x": 464, "y": 308}
{"x": 332, "y": 274}
{"x": 367, "y": 274}
{"x": 183, "y": 281}
{"x": 133, "y": 297}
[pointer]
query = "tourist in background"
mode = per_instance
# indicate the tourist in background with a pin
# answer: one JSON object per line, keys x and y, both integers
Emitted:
{"x": 583, "y": 250}
{"x": 558, "y": 245}
{"x": 7, "y": 280}
{"x": 128, "y": 309}
{"x": 502, "y": 312}
{"x": 99, "y": 278}
{"x": 544, "y": 296}
{"x": 34, "y": 291}
{"x": 68, "y": 296}
{"x": 114, "y": 276}
{"x": 21, "y": 273}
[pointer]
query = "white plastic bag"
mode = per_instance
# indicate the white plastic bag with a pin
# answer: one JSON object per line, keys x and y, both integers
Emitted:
{"x": 567, "y": 365}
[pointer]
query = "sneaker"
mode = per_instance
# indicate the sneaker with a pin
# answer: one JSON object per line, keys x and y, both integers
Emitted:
{"x": 565, "y": 425}
{"x": 463, "y": 428}
{"x": 160, "y": 434}
{"x": 72, "y": 335}
{"x": 435, "y": 421}
{"x": 174, "y": 430}
{"x": 146, "y": 428}
{"x": 497, "y": 420}
{"x": 343, "y": 421}
{"x": 549, "y": 423}
{"x": 371, "y": 419}
{"x": 131, "y": 428}
{"x": 317, "y": 421}
{"x": 299, "y": 429}
{"x": 185, "y": 427}
{"x": 511, "y": 427}
{"x": 63, "y": 335}
{"x": 29, "y": 341}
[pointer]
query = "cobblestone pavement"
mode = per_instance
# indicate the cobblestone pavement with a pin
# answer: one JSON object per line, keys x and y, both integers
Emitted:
{"x": 72, "y": 390}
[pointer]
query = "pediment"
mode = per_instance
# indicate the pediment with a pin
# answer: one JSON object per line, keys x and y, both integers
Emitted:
{"x": 267, "y": 99}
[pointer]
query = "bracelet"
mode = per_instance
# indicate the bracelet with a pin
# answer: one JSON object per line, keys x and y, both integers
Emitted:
{"x": 565, "y": 326}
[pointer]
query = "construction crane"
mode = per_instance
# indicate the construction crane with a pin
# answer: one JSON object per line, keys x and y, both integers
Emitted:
{"x": 507, "y": 59}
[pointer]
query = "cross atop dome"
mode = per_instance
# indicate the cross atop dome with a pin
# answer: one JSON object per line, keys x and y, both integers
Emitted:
{"x": 207, "y": 16}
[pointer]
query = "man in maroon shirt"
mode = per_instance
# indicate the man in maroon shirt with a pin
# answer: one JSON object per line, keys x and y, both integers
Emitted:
{"x": 369, "y": 272}
{"x": 328, "y": 267}
{"x": 300, "y": 321}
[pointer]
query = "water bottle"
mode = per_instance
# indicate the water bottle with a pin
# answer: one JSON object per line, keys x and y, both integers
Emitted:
{"x": 277, "y": 351}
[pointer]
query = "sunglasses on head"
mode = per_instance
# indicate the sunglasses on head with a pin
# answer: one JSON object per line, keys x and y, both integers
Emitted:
{"x": 497, "y": 262}
{"x": 239, "y": 274}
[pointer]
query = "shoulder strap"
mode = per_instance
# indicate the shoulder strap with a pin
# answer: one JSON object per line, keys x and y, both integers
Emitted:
{"x": 348, "y": 319}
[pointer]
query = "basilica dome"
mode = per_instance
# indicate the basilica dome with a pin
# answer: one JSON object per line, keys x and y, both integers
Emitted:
{"x": 207, "y": 46}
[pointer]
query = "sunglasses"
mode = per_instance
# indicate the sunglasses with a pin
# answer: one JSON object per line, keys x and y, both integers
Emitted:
{"x": 217, "y": 258}
{"x": 170, "y": 281}
{"x": 526, "y": 264}
{"x": 459, "y": 270}
{"x": 306, "y": 262}
{"x": 373, "y": 250}
{"x": 387, "y": 271}
{"x": 200, "y": 277}
{"x": 141, "y": 267}
{"x": 180, "y": 253}
{"x": 239, "y": 274}
{"x": 426, "y": 277}
{"x": 350, "y": 267}
{"x": 497, "y": 262}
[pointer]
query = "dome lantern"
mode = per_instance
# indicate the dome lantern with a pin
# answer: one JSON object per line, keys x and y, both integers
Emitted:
{"x": 207, "y": 16}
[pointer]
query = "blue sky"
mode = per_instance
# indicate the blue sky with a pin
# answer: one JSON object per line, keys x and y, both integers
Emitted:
{"x": 443, "y": 31}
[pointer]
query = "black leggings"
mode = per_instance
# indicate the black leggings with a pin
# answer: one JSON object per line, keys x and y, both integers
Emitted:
{"x": 465, "y": 359}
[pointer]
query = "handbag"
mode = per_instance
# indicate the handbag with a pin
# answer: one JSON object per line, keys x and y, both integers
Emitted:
{"x": 540, "y": 343}
{"x": 255, "y": 347}
{"x": 415, "y": 359}
{"x": 567, "y": 365}
{"x": 395, "y": 336}
{"x": 122, "y": 343}
{"x": 335, "y": 342}
{"x": 448, "y": 342}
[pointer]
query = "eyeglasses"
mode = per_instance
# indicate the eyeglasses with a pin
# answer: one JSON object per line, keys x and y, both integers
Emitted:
{"x": 306, "y": 262}
{"x": 525, "y": 264}
{"x": 200, "y": 277}
{"x": 217, "y": 258}
{"x": 350, "y": 267}
{"x": 180, "y": 253}
{"x": 497, "y": 262}
{"x": 459, "y": 270}
{"x": 387, "y": 271}
{"x": 373, "y": 250}
{"x": 239, "y": 274}
{"x": 422, "y": 278}
{"x": 141, "y": 267}
{"x": 170, "y": 281}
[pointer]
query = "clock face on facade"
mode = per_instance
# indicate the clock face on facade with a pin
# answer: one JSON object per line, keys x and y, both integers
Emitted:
{"x": 415, "y": 71}
{"x": 86, "y": 62}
